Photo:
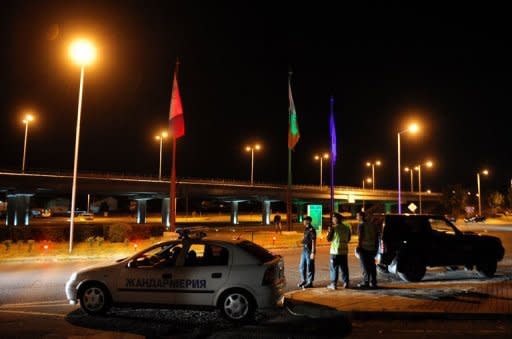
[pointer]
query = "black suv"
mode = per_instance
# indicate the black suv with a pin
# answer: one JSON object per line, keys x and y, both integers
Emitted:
{"x": 410, "y": 243}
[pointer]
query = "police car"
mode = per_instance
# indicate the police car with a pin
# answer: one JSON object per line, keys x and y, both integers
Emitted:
{"x": 236, "y": 276}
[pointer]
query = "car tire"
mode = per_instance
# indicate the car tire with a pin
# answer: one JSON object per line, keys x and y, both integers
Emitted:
{"x": 95, "y": 299}
{"x": 487, "y": 269}
{"x": 412, "y": 270}
{"x": 237, "y": 305}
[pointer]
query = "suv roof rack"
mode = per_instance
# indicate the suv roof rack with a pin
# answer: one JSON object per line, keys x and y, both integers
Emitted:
{"x": 198, "y": 232}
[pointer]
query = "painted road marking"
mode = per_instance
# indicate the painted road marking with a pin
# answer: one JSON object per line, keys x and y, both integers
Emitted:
{"x": 34, "y": 313}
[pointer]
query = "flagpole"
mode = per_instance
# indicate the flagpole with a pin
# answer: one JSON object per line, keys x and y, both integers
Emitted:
{"x": 289, "y": 190}
{"x": 172, "y": 195}
{"x": 333, "y": 156}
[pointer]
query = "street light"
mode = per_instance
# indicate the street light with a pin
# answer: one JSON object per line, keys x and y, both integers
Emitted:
{"x": 372, "y": 165}
{"x": 28, "y": 118}
{"x": 428, "y": 164}
{"x": 410, "y": 170}
{"x": 413, "y": 129}
{"x": 252, "y": 148}
{"x": 484, "y": 172}
{"x": 83, "y": 54}
{"x": 160, "y": 138}
{"x": 321, "y": 158}
{"x": 369, "y": 181}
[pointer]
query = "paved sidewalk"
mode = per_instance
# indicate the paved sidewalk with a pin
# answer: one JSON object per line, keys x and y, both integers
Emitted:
{"x": 471, "y": 298}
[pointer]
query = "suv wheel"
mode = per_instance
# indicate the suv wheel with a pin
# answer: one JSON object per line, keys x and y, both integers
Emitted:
{"x": 487, "y": 269}
{"x": 237, "y": 305}
{"x": 95, "y": 299}
{"x": 412, "y": 271}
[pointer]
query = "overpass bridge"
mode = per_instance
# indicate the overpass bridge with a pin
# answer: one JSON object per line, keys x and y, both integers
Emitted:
{"x": 20, "y": 187}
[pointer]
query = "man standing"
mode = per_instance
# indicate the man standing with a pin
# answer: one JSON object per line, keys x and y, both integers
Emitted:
{"x": 307, "y": 259}
{"x": 339, "y": 237}
{"x": 367, "y": 250}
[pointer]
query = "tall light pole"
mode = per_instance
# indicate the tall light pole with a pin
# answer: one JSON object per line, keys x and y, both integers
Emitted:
{"x": 160, "y": 138}
{"x": 321, "y": 158}
{"x": 83, "y": 53}
{"x": 484, "y": 172}
{"x": 369, "y": 181}
{"x": 252, "y": 148}
{"x": 413, "y": 128}
{"x": 28, "y": 118}
{"x": 428, "y": 164}
{"x": 372, "y": 165}
{"x": 411, "y": 170}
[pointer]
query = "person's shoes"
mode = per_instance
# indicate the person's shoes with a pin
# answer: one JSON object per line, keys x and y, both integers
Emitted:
{"x": 374, "y": 286}
{"x": 363, "y": 285}
{"x": 308, "y": 285}
{"x": 331, "y": 287}
{"x": 345, "y": 285}
{"x": 301, "y": 284}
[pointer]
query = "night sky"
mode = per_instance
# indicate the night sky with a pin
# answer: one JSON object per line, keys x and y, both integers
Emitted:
{"x": 384, "y": 64}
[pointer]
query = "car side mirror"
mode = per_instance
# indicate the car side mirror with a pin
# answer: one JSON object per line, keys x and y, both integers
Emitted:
{"x": 132, "y": 264}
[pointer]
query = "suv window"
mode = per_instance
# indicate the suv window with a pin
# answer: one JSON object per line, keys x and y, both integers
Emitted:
{"x": 256, "y": 251}
{"x": 441, "y": 225}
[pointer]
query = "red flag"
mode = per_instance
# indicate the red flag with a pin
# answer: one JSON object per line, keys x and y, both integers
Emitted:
{"x": 176, "y": 120}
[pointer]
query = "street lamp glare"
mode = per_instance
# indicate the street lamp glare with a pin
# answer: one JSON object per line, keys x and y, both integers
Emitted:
{"x": 378, "y": 163}
{"x": 417, "y": 168}
{"x": 485, "y": 172}
{"x": 157, "y": 137}
{"x": 369, "y": 180}
{"x": 413, "y": 128}
{"x": 82, "y": 52}
{"x": 317, "y": 157}
{"x": 326, "y": 155}
{"x": 257, "y": 147}
{"x": 248, "y": 148}
{"x": 407, "y": 169}
{"x": 368, "y": 164}
{"x": 164, "y": 135}
{"x": 429, "y": 163}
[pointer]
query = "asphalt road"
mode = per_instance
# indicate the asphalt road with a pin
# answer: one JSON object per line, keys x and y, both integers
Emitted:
{"x": 32, "y": 304}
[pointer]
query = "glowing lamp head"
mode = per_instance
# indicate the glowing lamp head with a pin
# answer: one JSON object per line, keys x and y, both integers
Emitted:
{"x": 257, "y": 147}
{"x": 164, "y": 135}
{"x": 413, "y": 128}
{"x": 317, "y": 157}
{"x": 417, "y": 168}
{"x": 369, "y": 180}
{"x": 368, "y": 164}
{"x": 157, "y": 137}
{"x": 248, "y": 148}
{"x": 82, "y": 52}
{"x": 429, "y": 191}
{"x": 378, "y": 163}
{"x": 28, "y": 118}
{"x": 429, "y": 164}
{"x": 485, "y": 172}
{"x": 326, "y": 155}
{"x": 407, "y": 169}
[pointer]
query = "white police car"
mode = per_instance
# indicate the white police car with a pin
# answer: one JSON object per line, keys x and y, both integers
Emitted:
{"x": 235, "y": 276}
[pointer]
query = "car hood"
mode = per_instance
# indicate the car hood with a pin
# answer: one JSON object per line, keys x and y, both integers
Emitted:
{"x": 101, "y": 268}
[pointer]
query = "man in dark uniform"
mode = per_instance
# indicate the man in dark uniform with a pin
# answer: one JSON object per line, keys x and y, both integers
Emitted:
{"x": 307, "y": 259}
{"x": 367, "y": 250}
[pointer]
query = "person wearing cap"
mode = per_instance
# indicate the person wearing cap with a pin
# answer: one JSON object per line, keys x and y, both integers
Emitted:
{"x": 307, "y": 259}
{"x": 339, "y": 236}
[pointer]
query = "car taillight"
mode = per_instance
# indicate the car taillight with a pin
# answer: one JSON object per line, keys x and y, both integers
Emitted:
{"x": 269, "y": 276}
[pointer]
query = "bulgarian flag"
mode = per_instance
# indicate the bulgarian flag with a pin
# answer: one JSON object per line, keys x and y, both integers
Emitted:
{"x": 176, "y": 120}
{"x": 293, "y": 125}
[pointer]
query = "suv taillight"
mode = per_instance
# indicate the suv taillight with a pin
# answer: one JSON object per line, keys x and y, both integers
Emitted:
{"x": 269, "y": 276}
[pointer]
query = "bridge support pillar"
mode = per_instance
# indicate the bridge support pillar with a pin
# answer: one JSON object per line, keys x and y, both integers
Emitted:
{"x": 387, "y": 207}
{"x": 265, "y": 212}
{"x": 353, "y": 210}
{"x": 300, "y": 212}
{"x": 165, "y": 213}
{"x": 234, "y": 212}
{"x": 337, "y": 204}
{"x": 18, "y": 210}
{"x": 141, "y": 210}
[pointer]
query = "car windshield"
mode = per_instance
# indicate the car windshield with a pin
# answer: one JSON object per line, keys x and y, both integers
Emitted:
{"x": 257, "y": 251}
{"x": 441, "y": 225}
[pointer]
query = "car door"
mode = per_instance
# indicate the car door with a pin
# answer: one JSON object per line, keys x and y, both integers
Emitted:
{"x": 149, "y": 277}
{"x": 448, "y": 247}
{"x": 204, "y": 271}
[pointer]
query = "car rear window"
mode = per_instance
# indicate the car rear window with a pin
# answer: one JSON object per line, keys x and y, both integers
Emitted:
{"x": 256, "y": 251}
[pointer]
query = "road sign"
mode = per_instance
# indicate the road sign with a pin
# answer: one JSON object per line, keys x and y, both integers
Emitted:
{"x": 315, "y": 212}
{"x": 412, "y": 207}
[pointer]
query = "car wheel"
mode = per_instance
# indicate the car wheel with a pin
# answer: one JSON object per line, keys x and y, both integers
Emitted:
{"x": 487, "y": 269}
{"x": 95, "y": 299}
{"x": 237, "y": 305}
{"x": 412, "y": 271}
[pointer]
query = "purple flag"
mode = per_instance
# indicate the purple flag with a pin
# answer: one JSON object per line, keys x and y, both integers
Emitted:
{"x": 332, "y": 129}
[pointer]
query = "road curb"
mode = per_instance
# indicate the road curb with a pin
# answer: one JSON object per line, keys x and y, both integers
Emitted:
{"x": 314, "y": 310}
